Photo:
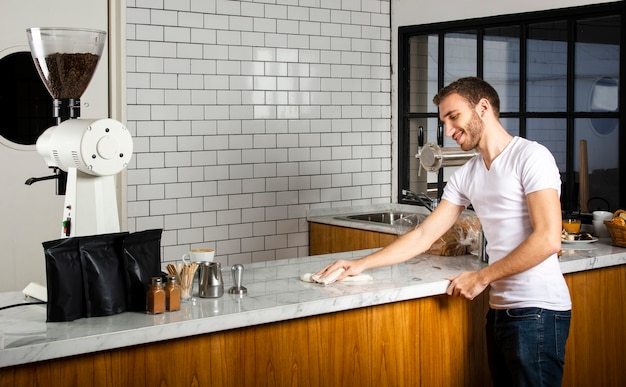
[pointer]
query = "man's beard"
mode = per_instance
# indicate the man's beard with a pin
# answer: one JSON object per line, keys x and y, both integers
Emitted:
{"x": 473, "y": 132}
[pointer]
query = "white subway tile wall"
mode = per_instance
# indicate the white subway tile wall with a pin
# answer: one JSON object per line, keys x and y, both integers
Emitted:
{"x": 245, "y": 114}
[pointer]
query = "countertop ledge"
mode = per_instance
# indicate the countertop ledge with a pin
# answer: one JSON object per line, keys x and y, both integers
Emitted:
{"x": 275, "y": 293}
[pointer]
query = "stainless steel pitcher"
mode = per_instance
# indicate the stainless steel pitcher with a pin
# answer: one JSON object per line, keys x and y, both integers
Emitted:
{"x": 210, "y": 282}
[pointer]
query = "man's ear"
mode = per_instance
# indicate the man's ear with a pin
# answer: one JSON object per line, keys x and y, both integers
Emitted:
{"x": 482, "y": 107}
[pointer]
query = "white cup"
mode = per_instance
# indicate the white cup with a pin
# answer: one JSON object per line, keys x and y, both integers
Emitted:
{"x": 199, "y": 255}
{"x": 600, "y": 229}
{"x": 602, "y": 215}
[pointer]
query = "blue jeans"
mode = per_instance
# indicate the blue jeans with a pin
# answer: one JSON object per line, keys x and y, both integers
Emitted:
{"x": 526, "y": 346}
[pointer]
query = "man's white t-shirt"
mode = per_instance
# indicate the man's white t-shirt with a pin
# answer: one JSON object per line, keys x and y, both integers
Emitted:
{"x": 498, "y": 196}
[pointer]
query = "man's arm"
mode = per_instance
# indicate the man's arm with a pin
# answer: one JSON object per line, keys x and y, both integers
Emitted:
{"x": 405, "y": 247}
{"x": 544, "y": 208}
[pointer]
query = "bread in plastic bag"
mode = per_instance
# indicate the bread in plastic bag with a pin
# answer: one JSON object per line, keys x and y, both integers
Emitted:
{"x": 461, "y": 239}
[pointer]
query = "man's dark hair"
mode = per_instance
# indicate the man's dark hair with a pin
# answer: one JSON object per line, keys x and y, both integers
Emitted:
{"x": 473, "y": 89}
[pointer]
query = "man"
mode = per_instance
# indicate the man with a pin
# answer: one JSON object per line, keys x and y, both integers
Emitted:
{"x": 514, "y": 186}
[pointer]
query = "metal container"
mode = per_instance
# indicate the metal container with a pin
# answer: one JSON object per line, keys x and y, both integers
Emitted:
{"x": 210, "y": 282}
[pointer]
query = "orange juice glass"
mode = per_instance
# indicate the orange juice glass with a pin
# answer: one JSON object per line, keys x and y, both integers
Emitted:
{"x": 571, "y": 226}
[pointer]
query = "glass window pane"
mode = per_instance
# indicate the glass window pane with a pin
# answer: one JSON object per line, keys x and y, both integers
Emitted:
{"x": 449, "y": 142}
{"x": 459, "y": 55}
{"x": 547, "y": 67}
{"x": 602, "y": 164}
{"x": 597, "y": 64}
{"x": 604, "y": 126}
{"x": 511, "y": 125}
{"x": 423, "y": 64}
{"x": 501, "y": 64}
{"x": 552, "y": 134}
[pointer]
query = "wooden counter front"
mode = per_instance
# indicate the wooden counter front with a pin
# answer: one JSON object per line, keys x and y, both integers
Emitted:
{"x": 327, "y": 239}
{"x": 434, "y": 341}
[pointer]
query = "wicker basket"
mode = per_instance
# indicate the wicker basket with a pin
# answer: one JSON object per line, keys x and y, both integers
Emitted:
{"x": 618, "y": 233}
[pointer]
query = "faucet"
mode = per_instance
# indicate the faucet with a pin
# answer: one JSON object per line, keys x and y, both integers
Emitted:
{"x": 422, "y": 199}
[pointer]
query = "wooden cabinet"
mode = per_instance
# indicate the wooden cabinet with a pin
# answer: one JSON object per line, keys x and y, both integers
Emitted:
{"x": 326, "y": 239}
{"x": 596, "y": 347}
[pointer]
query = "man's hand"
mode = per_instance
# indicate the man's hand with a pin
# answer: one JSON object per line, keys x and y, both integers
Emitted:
{"x": 467, "y": 285}
{"x": 351, "y": 268}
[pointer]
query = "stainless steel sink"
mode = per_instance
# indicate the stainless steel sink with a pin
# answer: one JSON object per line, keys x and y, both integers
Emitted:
{"x": 384, "y": 217}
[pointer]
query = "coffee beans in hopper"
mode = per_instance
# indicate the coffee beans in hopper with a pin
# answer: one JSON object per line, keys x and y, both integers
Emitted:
{"x": 68, "y": 74}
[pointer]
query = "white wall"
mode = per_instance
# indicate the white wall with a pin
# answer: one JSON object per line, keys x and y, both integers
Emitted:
{"x": 247, "y": 113}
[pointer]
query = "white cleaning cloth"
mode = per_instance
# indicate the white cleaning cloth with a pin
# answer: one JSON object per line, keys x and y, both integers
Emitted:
{"x": 332, "y": 277}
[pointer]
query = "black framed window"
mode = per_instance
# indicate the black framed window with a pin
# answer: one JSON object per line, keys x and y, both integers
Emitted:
{"x": 558, "y": 74}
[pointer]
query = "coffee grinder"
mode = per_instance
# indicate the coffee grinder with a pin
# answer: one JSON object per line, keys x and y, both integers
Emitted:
{"x": 85, "y": 154}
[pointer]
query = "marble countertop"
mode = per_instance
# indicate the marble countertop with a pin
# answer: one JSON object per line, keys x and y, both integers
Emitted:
{"x": 275, "y": 293}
